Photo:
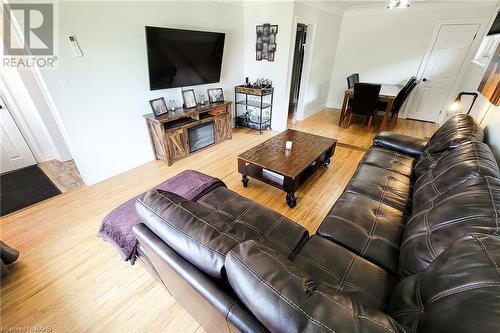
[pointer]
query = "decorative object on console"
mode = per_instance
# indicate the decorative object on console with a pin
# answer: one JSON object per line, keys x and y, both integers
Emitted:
{"x": 288, "y": 145}
{"x": 490, "y": 84}
{"x": 457, "y": 104}
{"x": 215, "y": 95}
{"x": 159, "y": 106}
{"x": 202, "y": 99}
{"x": 189, "y": 98}
{"x": 171, "y": 105}
{"x": 265, "y": 46}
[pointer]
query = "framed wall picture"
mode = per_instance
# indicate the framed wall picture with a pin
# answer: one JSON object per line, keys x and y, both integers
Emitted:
{"x": 158, "y": 106}
{"x": 215, "y": 95}
{"x": 189, "y": 98}
{"x": 265, "y": 47}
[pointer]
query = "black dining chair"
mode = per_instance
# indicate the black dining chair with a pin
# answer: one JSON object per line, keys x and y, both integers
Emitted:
{"x": 401, "y": 98}
{"x": 352, "y": 79}
{"x": 364, "y": 101}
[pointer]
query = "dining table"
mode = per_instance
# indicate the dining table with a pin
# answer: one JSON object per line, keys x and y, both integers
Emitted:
{"x": 388, "y": 93}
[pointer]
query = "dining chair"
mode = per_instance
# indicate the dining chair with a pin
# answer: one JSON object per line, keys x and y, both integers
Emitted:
{"x": 401, "y": 98}
{"x": 364, "y": 101}
{"x": 352, "y": 79}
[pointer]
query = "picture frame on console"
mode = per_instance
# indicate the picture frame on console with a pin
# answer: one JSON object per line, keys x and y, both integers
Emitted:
{"x": 215, "y": 95}
{"x": 189, "y": 98}
{"x": 158, "y": 106}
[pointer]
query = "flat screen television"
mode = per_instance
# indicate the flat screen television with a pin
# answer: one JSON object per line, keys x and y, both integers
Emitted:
{"x": 179, "y": 58}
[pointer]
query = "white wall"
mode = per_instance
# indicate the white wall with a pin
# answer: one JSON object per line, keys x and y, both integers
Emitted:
{"x": 388, "y": 46}
{"x": 107, "y": 90}
{"x": 322, "y": 37}
{"x": 280, "y": 13}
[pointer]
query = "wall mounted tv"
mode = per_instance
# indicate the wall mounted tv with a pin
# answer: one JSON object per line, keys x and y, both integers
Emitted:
{"x": 179, "y": 58}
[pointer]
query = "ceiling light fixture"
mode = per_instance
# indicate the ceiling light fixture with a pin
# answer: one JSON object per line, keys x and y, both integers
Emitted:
{"x": 393, "y": 4}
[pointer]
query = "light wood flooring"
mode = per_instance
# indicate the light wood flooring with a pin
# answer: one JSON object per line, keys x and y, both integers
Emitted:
{"x": 68, "y": 279}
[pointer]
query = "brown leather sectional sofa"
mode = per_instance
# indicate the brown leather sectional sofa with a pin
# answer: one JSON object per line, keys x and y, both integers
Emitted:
{"x": 411, "y": 245}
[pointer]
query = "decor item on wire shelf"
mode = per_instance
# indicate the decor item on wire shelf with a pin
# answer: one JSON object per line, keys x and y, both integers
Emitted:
{"x": 189, "y": 98}
{"x": 490, "y": 84}
{"x": 158, "y": 106}
{"x": 265, "y": 46}
{"x": 254, "y": 105}
{"x": 215, "y": 95}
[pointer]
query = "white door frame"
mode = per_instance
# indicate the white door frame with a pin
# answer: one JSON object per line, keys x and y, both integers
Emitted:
{"x": 18, "y": 142}
{"x": 307, "y": 62}
{"x": 430, "y": 46}
{"x": 57, "y": 143}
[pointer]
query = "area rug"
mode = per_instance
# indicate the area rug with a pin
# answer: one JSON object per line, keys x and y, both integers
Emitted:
{"x": 24, "y": 187}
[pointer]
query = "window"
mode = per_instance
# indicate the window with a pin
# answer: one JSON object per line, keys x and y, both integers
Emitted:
{"x": 487, "y": 50}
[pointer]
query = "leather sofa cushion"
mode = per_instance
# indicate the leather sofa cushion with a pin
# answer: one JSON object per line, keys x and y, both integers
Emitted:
{"x": 404, "y": 144}
{"x": 458, "y": 293}
{"x": 389, "y": 160}
{"x": 466, "y": 161}
{"x": 453, "y": 132}
{"x": 470, "y": 207}
{"x": 367, "y": 227}
{"x": 344, "y": 271}
{"x": 456, "y": 130}
{"x": 382, "y": 185}
{"x": 312, "y": 294}
{"x": 204, "y": 236}
{"x": 265, "y": 223}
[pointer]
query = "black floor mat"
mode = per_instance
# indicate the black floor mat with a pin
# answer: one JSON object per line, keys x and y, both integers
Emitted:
{"x": 25, "y": 187}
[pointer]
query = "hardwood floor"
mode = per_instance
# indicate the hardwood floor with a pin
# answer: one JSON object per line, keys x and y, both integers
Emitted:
{"x": 71, "y": 281}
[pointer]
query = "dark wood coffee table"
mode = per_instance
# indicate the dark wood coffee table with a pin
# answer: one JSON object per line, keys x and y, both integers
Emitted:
{"x": 272, "y": 164}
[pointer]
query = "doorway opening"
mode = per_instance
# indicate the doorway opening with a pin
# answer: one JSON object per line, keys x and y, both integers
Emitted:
{"x": 298, "y": 62}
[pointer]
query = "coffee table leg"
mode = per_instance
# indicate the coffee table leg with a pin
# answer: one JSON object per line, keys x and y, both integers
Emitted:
{"x": 291, "y": 200}
{"x": 244, "y": 180}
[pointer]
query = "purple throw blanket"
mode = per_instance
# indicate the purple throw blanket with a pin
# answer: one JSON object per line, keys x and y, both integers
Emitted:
{"x": 116, "y": 227}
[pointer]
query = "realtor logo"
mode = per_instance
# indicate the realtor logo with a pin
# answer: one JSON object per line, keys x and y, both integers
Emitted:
{"x": 29, "y": 30}
{"x": 36, "y": 22}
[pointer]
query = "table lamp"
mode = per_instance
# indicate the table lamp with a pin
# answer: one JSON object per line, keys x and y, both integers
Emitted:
{"x": 457, "y": 104}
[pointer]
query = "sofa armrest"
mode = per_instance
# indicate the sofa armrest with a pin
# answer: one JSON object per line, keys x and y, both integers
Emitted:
{"x": 286, "y": 299}
{"x": 405, "y": 144}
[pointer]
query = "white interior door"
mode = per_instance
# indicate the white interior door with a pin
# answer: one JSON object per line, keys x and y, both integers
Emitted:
{"x": 14, "y": 153}
{"x": 442, "y": 66}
